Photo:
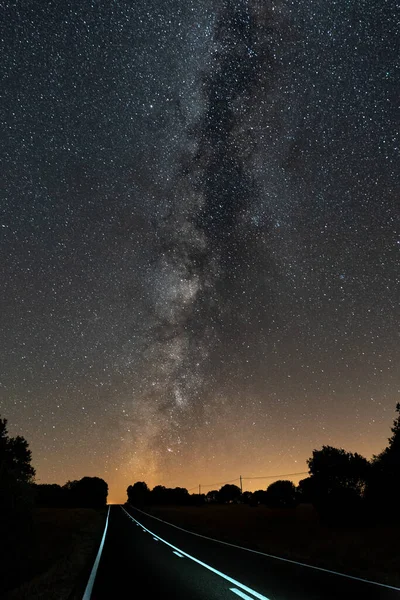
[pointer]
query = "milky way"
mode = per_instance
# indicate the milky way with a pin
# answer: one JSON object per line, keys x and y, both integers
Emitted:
{"x": 199, "y": 234}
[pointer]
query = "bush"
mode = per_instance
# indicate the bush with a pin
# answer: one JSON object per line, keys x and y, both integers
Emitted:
{"x": 281, "y": 494}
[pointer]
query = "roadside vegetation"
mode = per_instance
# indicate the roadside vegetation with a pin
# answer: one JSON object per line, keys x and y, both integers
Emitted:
{"x": 58, "y": 556}
{"x": 49, "y": 533}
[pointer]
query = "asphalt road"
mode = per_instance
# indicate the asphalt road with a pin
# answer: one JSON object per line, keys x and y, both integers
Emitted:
{"x": 145, "y": 558}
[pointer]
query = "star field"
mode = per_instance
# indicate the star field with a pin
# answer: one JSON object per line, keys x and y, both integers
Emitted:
{"x": 199, "y": 232}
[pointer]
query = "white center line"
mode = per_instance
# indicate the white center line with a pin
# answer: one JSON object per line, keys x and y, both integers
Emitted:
{"x": 203, "y": 564}
{"x": 177, "y": 553}
{"x": 241, "y": 594}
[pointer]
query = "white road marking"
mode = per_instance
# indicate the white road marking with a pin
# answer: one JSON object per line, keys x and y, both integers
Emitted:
{"x": 206, "y": 566}
{"x": 155, "y": 539}
{"x": 241, "y": 594}
{"x": 177, "y": 553}
{"x": 90, "y": 583}
{"x": 294, "y": 562}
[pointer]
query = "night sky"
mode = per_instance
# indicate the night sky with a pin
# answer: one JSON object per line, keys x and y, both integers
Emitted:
{"x": 199, "y": 235}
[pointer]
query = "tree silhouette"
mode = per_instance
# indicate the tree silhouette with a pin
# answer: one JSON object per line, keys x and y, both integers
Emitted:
{"x": 88, "y": 492}
{"x": 229, "y": 493}
{"x": 212, "y": 496}
{"x": 179, "y": 496}
{"x": 197, "y": 499}
{"x": 16, "y": 502}
{"x": 169, "y": 496}
{"x": 334, "y": 468}
{"x": 383, "y": 489}
{"x": 338, "y": 482}
{"x": 281, "y": 494}
{"x": 158, "y": 495}
{"x": 390, "y": 456}
{"x": 306, "y": 489}
{"x": 16, "y": 471}
{"x": 259, "y": 497}
{"x": 138, "y": 494}
{"x": 50, "y": 495}
{"x": 247, "y": 497}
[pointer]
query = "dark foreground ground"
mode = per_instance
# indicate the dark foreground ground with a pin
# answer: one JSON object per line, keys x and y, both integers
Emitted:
{"x": 54, "y": 554}
{"x": 368, "y": 552}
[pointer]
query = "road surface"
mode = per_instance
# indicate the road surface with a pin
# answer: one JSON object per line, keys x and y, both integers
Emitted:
{"x": 145, "y": 558}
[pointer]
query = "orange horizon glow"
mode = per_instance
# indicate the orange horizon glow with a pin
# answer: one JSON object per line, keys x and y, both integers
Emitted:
{"x": 121, "y": 478}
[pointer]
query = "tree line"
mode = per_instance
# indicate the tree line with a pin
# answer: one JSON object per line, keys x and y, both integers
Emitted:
{"x": 18, "y": 490}
{"x": 344, "y": 487}
{"x": 88, "y": 492}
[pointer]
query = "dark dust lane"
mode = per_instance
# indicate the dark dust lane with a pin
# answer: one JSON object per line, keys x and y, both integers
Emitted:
{"x": 151, "y": 559}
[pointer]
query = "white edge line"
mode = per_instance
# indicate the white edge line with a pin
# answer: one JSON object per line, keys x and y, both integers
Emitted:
{"x": 90, "y": 583}
{"x": 205, "y": 565}
{"x": 240, "y": 594}
{"x": 294, "y": 562}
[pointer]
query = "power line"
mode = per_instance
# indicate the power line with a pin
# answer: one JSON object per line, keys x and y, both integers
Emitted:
{"x": 271, "y": 476}
{"x": 193, "y": 488}
{"x": 211, "y": 485}
{"x": 219, "y": 483}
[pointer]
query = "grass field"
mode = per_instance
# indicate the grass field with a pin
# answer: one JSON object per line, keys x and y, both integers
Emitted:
{"x": 368, "y": 552}
{"x": 57, "y": 557}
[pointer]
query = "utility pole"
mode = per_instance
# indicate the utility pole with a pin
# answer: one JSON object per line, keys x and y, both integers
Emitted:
{"x": 199, "y": 489}
{"x": 241, "y": 485}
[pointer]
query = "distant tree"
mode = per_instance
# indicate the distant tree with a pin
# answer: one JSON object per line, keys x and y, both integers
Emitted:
{"x": 383, "y": 489}
{"x": 159, "y": 495}
{"x": 138, "y": 494}
{"x": 247, "y": 497}
{"x": 281, "y": 494}
{"x": 212, "y": 496}
{"x": 197, "y": 499}
{"x": 259, "y": 497}
{"x": 88, "y": 492}
{"x": 229, "y": 493}
{"x": 305, "y": 490}
{"x": 179, "y": 496}
{"x": 50, "y": 495}
{"x": 68, "y": 488}
{"x": 169, "y": 496}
